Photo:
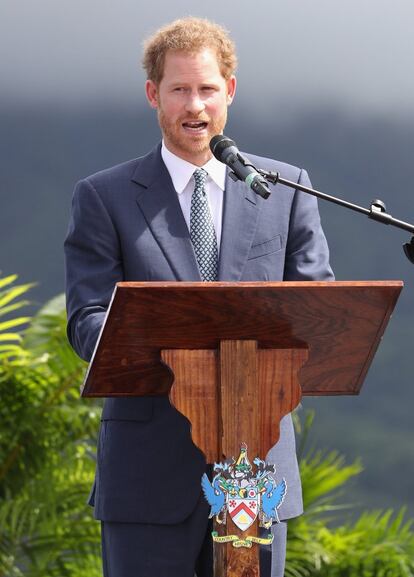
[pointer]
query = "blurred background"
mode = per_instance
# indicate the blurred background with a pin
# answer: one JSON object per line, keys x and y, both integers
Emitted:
{"x": 322, "y": 84}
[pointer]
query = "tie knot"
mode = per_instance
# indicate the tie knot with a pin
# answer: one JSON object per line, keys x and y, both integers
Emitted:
{"x": 200, "y": 176}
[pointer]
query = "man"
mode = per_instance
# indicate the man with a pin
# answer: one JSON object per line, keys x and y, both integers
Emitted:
{"x": 160, "y": 217}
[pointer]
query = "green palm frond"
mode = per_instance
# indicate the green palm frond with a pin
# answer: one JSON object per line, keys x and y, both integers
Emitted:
{"x": 378, "y": 544}
{"x": 10, "y": 341}
{"x": 44, "y": 531}
{"x": 47, "y": 440}
{"x": 323, "y": 476}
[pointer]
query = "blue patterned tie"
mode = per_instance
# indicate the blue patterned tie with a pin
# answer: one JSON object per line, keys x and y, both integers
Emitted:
{"x": 202, "y": 233}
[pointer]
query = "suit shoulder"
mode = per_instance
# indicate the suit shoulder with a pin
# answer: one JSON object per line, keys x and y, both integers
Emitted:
{"x": 105, "y": 184}
{"x": 119, "y": 172}
{"x": 124, "y": 171}
{"x": 288, "y": 171}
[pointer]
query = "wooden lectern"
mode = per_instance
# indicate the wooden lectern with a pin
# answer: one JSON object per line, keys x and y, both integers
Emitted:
{"x": 236, "y": 357}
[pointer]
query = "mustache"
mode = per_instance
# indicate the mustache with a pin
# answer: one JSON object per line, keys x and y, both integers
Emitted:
{"x": 195, "y": 118}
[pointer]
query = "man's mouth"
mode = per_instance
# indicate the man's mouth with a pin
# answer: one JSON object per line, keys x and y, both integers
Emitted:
{"x": 195, "y": 125}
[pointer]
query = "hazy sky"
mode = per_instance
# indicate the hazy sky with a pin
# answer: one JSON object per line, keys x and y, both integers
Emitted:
{"x": 357, "y": 52}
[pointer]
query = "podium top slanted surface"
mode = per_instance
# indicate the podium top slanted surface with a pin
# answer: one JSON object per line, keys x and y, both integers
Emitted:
{"x": 341, "y": 323}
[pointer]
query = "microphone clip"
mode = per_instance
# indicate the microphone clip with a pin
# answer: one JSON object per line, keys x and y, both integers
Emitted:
{"x": 270, "y": 176}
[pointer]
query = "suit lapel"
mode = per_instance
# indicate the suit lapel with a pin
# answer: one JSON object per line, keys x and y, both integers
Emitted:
{"x": 158, "y": 201}
{"x": 240, "y": 212}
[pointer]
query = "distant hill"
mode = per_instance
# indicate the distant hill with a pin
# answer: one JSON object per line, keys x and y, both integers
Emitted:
{"x": 45, "y": 151}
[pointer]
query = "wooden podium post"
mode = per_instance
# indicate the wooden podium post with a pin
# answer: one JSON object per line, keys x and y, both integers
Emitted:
{"x": 236, "y": 353}
{"x": 239, "y": 393}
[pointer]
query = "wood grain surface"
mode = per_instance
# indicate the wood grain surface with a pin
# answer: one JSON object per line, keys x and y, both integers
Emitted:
{"x": 196, "y": 394}
{"x": 341, "y": 323}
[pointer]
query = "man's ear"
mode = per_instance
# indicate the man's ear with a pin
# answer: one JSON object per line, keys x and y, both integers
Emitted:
{"x": 231, "y": 89}
{"x": 151, "y": 91}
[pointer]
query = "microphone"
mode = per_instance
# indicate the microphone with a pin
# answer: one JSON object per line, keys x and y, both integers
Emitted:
{"x": 226, "y": 151}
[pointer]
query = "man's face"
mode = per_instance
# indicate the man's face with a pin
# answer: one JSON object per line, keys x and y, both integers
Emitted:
{"x": 191, "y": 100}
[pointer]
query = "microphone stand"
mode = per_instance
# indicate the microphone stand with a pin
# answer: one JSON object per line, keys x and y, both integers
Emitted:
{"x": 377, "y": 211}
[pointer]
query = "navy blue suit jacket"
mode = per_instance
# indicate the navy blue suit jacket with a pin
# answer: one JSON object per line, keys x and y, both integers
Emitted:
{"x": 127, "y": 225}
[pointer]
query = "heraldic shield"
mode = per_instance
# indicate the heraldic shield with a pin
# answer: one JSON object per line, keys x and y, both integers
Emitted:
{"x": 245, "y": 495}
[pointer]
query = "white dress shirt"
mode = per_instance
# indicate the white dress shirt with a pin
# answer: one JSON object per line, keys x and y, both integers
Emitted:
{"x": 181, "y": 173}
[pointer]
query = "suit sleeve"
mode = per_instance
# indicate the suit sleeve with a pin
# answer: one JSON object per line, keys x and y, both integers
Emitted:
{"x": 307, "y": 253}
{"x": 93, "y": 267}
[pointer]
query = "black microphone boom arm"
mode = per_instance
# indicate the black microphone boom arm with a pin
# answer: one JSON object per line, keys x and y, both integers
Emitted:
{"x": 377, "y": 210}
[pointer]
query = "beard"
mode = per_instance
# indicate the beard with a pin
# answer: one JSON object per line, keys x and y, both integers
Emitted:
{"x": 186, "y": 143}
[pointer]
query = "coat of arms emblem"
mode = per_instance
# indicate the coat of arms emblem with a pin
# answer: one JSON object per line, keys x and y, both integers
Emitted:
{"x": 244, "y": 495}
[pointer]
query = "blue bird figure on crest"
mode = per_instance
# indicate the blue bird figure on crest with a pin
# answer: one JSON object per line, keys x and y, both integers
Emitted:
{"x": 214, "y": 494}
{"x": 272, "y": 498}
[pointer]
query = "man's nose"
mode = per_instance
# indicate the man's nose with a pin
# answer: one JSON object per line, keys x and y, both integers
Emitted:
{"x": 194, "y": 104}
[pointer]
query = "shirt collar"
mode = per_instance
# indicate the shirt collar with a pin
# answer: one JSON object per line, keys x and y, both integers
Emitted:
{"x": 181, "y": 170}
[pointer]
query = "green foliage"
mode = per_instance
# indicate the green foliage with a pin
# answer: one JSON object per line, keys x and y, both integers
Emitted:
{"x": 379, "y": 543}
{"x": 47, "y": 441}
{"x": 320, "y": 544}
{"x": 10, "y": 347}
